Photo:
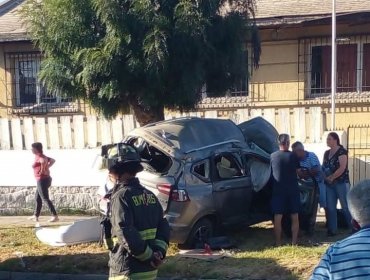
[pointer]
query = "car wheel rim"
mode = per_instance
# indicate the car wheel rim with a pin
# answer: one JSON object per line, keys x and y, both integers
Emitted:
{"x": 203, "y": 233}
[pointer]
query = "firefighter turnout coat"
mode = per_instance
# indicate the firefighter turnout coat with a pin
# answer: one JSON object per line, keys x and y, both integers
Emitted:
{"x": 138, "y": 230}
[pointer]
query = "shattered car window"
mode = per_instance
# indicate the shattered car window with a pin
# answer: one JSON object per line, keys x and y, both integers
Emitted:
{"x": 227, "y": 167}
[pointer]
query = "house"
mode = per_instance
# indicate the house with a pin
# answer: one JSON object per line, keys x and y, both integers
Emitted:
{"x": 294, "y": 71}
{"x": 295, "y": 66}
{"x": 21, "y": 93}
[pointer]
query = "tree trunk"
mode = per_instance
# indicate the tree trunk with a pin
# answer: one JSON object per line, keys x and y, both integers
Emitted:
{"x": 145, "y": 114}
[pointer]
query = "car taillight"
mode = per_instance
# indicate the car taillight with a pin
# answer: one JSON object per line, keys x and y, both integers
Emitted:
{"x": 164, "y": 188}
{"x": 175, "y": 195}
{"x": 179, "y": 195}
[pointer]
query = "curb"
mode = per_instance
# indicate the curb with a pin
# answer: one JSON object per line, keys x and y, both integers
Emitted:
{"x": 8, "y": 275}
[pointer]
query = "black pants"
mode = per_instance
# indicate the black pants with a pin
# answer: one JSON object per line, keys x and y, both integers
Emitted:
{"x": 42, "y": 194}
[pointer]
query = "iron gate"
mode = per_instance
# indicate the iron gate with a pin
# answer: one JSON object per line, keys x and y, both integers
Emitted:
{"x": 359, "y": 153}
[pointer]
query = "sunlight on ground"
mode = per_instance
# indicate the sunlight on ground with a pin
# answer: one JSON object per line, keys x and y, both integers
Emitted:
{"x": 255, "y": 257}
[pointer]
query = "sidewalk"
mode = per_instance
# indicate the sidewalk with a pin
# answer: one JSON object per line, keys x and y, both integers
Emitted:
{"x": 22, "y": 221}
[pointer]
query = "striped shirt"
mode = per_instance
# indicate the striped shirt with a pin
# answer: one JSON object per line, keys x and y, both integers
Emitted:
{"x": 311, "y": 161}
{"x": 346, "y": 259}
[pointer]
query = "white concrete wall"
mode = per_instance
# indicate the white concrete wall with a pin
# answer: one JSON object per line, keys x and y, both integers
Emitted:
{"x": 72, "y": 168}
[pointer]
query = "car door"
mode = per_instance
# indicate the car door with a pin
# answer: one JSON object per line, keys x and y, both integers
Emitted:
{"x": 232, "y": 188}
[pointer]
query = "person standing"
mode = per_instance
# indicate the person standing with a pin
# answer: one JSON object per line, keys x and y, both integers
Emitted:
{"x": 140, "y": 233}
{"x": 286, "y": 196}
{"x": 311, "y": 168}
{"x": 41, "y": 170}
{"x": 349, "y": 258}
{"x": 335, "y": 167}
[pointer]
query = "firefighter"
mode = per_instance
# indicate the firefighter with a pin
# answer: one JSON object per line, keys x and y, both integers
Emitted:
{"x": 140, "y": 234}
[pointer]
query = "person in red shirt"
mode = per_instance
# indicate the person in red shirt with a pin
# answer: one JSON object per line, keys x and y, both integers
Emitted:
{"x": 41, "y": 169}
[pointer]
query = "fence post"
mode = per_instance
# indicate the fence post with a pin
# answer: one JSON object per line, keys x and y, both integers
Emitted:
{"x": 53, "y": 129}
{"x": 29, "y": 137}
{"x": 210, "y": 114}
{"x": 269, "y": 115}
{"x": 105, "y": 131}
{"x": 16, "y": 134}
{"x": 243, "y": 115}
{"x": 128, "y": 123}
{"x": 117, "y": 130}
{"x": 256, "y": 113}
{"x": 4, "y": 134}
{"x": 300, "y": 124}
{"x": 316, "y": 126}
{"x": 92, "y": 132}
{"x": 41, "y": 131}
{"x": 79, "y": 132}
{"x": 284, "y": 120}
{"x": 65, "y": 122}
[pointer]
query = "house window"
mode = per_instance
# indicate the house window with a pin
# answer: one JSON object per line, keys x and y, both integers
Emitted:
{"x": 25, "y": 90}
{"x": 366, "y": 68}
{"x": 240, "y": 88}
{"x": 346, "y": 69}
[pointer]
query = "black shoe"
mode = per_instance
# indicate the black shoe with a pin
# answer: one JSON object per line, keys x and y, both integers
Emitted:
{"x": 331, "y": 234}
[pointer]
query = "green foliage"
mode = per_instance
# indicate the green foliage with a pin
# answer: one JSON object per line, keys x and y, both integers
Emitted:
{"x": 147, "y": 54}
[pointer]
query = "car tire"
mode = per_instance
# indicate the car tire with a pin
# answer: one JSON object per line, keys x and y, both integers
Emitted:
{"x": 200, "y": 233}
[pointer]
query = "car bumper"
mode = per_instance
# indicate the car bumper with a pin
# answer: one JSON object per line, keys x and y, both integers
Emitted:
{"x": 179, "y": 232}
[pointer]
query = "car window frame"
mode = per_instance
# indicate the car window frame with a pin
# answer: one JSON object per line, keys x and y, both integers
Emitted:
{"x": 200, "y": 177}
{"x": 215, "y": 176}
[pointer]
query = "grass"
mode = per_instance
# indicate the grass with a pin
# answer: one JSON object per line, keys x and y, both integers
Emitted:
{"x": 255, "y": 257}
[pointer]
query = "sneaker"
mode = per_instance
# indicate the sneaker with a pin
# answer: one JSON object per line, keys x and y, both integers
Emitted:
{"x": 54, "y": 219}
{"x": 33, "y": 218}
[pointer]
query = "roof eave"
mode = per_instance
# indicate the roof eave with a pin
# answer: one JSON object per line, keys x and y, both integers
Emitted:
{"x": 14, "y": 37}
{"x": 298, "y": 20}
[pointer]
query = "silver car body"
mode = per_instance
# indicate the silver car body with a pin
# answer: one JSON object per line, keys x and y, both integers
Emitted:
{"x": 180, "y": 169}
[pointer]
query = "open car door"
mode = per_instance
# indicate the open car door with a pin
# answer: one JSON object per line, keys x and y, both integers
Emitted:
{"x": 261, "y": 138}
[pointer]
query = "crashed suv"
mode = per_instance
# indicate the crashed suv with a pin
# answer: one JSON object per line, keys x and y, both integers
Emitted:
{"x": 210, "y": 173}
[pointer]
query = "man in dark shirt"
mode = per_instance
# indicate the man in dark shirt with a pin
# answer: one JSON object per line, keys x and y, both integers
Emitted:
{"x": 285, "y": 197}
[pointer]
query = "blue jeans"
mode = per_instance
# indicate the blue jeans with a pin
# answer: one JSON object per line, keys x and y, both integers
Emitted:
{"x": 323, "y": 199}
{"x": 333, "y": 193}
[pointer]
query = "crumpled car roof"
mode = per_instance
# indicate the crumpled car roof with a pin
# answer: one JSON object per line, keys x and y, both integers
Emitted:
{"x": 188, "y": 134}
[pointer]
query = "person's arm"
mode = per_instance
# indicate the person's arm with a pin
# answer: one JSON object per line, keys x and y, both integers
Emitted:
{"x": 322, "y": 270}
{"x": 314, "y": 171}
{"x": 128, "y": 236}
{"x": 51, "y": 161}
{"x": 340, "y": 170}
{"x": 315, "y": 163}
{"x": 43, "y": 166}
{"x": 162, "y": 237}
{"x": 300, "y": 172}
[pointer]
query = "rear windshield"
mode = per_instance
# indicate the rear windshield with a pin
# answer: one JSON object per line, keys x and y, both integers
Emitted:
{"x": 153, "y": 159}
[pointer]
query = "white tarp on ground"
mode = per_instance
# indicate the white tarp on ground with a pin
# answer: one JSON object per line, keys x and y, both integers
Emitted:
{"x": 83, "y": 231}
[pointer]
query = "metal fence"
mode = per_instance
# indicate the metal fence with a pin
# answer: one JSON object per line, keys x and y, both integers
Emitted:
{"x": 359, "y": 152}
{"x": 25, "y": 92}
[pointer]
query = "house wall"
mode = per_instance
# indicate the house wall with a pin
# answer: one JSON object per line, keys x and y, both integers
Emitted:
{"x": 7, "y": 91}
{"x": 277, "y": 78}
{"x": 280, "y": 79}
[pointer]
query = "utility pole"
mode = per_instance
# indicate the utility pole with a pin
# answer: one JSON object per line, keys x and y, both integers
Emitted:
{"x": 333, "y": 63}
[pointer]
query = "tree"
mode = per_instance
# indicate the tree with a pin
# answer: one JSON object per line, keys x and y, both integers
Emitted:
{"x": 146, "y": 55}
